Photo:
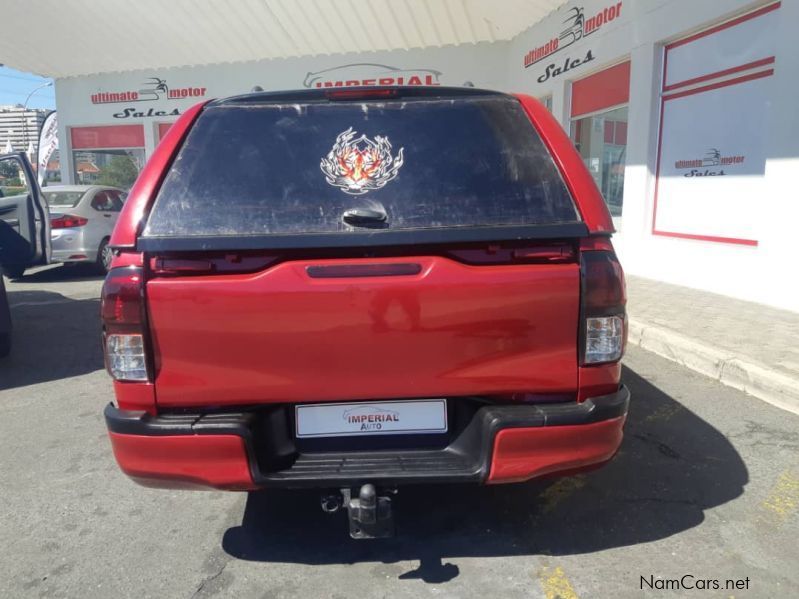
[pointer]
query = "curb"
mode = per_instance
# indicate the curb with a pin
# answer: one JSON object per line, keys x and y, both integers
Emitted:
{"x": 729, "y": 369}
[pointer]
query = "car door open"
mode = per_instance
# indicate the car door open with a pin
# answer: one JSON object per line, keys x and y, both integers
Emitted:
{"x": 24, "y": 217}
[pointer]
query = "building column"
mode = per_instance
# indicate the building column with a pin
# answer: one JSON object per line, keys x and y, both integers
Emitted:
{"x": 561, "y": 104}
{"x": 150, "y": 139}
{"x": 64, "y": 144}
{"x": 642, "y": 130}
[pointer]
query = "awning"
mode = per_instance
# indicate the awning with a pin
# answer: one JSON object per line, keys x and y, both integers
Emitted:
{"x": 65, "y": 38}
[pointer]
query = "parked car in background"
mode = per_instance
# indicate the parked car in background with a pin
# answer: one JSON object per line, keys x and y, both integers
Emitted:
{"x": 82, "y": 218}
{"x": 357, "y": 289}
{"x": 24, "y": 219}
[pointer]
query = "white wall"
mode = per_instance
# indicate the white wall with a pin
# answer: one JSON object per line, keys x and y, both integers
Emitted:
{"x": 482, "y": 64}
{"x": 765, "y": 273}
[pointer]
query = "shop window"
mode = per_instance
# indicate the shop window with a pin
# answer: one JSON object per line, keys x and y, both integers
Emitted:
{"x": 52, "y": 174}
{"x": 599, "y": 129}
{"x": 712, "y": 136}
{"x": 601, "y": 140}
{"x": 111, "y": 155}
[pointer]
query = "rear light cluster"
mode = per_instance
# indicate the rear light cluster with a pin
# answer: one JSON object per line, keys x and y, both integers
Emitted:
{"x": 361, "y": 94}
{"x": 603, "y": 333}
{"x": 122, "y": 312}
{"x": 67, "y": 221}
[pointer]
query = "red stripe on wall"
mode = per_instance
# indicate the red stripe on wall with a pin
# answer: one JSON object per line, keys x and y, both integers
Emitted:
{"x": 744, "y": 67}
{"x": 726, "y": 83}
{"x": 607, "y": 88}
{"x": 162, "y": 129}
{"x": 750, "y": 242}
{"x": 725, "y": 25}
{"x": 112, "y": 136}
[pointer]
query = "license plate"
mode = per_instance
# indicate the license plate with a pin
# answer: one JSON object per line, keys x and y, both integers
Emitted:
{"x": 425, "y": 416}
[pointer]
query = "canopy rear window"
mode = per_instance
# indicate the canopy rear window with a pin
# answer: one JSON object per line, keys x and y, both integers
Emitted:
{"x": 403, "y": 164}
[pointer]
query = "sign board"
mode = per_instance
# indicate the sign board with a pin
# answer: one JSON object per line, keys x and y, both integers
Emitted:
{"x": 711, "y": 155}
{"x": 48, "y": 144}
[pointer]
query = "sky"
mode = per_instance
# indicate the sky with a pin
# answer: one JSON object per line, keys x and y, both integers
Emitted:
{"x": 16, "y": 85}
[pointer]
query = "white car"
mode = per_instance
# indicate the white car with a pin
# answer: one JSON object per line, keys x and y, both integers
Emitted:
{"x": 81, "y": 220}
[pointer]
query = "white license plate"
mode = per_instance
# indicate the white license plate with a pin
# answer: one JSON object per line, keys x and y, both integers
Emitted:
{"x": 424, "y": 416}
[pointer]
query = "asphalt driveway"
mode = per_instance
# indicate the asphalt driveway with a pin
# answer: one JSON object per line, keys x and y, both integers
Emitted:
{"x": 706, "y": 486}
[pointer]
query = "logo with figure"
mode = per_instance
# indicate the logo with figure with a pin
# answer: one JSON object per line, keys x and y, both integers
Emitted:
{"x": 712, "y": 157}
{"x": 358, "y": 165}
{"x": 577, "y": 28}
{"x": 574, "y": 30}
{"x": 152, "y": 89}
{"x": 368, "y": 74}
{"x": 708, "y": 164}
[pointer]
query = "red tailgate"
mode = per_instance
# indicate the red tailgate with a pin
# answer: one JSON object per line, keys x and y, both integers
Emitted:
{"x": 283, "y": 335}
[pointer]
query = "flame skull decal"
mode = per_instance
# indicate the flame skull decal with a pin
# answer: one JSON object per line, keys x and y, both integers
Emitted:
{"x": 358, "y": 166}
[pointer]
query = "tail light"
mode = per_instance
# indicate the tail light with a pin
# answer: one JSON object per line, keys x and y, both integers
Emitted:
{"x": 124, "y": 324}
{"x": 361, "y": 93}
{"x": 603, "y": 326}
{"x": 67, "y": 221}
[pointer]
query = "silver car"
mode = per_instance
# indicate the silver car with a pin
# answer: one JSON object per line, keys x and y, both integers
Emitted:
{"x": 81, "y": 220}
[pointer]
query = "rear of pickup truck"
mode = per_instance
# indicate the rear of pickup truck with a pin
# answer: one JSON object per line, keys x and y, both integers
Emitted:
{"x": 364, "y": 288}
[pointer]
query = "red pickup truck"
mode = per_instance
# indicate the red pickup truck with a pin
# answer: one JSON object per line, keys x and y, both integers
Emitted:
{"x": 356, "y": 289}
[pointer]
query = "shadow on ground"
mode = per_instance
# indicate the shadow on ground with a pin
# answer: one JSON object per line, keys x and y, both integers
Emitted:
{"x": 62, "y": 273}
{"x": 671, "y": 468}
{"x": 53, "y": 337}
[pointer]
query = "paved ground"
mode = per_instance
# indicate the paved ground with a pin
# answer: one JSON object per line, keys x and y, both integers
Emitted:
{"x": 706, "y": 484}
{"x": 723, "y": 321}
{"x": 744, "y": 345}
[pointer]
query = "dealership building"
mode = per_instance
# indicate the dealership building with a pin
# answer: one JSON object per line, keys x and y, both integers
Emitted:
{"x": 684, "y": 112}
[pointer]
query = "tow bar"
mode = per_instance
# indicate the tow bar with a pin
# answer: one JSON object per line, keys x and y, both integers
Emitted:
{"x": 370, "y": 515}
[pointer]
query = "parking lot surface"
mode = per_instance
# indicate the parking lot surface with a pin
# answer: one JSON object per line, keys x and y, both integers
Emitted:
{"x": 705, "y": 488}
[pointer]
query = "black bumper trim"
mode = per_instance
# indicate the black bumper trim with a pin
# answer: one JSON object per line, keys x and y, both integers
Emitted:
{"x": 359, "y": 239}
{"x": 466, "y": 459}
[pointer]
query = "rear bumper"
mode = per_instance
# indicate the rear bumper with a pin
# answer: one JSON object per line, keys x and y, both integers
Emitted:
{"x": 69, "y": 245}
{"x": 508, "y": 443}
{"x": 72, "y": 256}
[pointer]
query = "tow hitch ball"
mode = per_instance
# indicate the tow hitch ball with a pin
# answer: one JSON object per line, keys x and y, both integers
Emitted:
{"x": 370, "y": 515}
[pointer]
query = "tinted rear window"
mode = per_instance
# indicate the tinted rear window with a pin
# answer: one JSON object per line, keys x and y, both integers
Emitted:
{"x": 257, "y": 169}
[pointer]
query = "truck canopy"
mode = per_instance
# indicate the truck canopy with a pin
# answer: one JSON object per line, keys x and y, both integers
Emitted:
{"x": 259, "y": 170}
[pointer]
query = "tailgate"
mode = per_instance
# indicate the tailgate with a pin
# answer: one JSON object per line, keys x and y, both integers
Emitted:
{"x": 286, "y": 334}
